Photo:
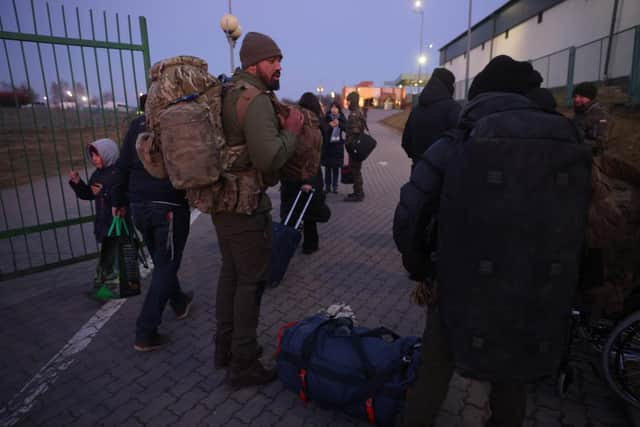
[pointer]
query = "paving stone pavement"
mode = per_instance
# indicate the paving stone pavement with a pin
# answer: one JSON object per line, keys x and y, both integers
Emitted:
{"x": 109, "y": 384}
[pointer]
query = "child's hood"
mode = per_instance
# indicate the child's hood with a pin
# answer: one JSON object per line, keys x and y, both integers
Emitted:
{"x": 107, "y": 149}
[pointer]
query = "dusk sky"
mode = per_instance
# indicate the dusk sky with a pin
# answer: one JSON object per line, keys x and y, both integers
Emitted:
{"x": 330, "y": 43}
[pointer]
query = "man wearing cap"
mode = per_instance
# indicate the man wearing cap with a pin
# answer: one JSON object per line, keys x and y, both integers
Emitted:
{"x": 590, "y": 116}
{"x": 435, "y": 113}
{"x": 262, "y": 141}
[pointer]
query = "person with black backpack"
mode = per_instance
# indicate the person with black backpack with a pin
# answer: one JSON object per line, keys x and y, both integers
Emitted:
{"x": 435, "y": 113}
{"x": 510, "y": 189}
{"x": 161, "y": 214}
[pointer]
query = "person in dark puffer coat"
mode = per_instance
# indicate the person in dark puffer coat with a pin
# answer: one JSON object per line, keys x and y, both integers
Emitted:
{"x": 502, "y": 85}
{"x": 435, "y": 113}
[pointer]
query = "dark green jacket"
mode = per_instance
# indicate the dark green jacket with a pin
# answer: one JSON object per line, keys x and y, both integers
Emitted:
{"x": 269, "y": 146}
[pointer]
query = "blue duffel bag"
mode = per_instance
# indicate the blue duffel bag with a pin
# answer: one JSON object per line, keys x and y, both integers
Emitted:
{"x": 363, "y": 372}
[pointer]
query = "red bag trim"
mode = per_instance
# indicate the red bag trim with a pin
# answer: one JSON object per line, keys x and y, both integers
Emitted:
{"x": 371, "y": 414}
{"x": 281, "y": 334}
{"x": 303, "y": 385}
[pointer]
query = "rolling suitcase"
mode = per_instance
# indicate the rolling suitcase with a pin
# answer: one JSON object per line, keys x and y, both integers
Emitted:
{"x": 285, "y": 242}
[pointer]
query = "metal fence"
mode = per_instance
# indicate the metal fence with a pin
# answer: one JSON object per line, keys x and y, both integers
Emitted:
{"x": 566, "y": 67}
{"x": 71, "y": 81}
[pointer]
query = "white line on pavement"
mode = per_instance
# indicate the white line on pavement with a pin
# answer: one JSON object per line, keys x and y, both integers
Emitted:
{"x": 25, "y": 399}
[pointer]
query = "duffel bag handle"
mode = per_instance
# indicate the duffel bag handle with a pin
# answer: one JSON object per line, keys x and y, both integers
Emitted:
{"x": 380, "y": 332}
{"x": 356, "y": 340}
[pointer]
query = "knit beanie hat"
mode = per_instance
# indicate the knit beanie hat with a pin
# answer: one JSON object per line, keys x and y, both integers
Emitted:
{"x": 504, "y": 74}
{"x": 257, "y": 47}
{"x": 446, "y": 77}
{"x": 586, "y": 89}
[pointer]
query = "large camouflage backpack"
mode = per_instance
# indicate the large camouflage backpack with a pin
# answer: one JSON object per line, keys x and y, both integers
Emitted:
{"x": 612, "y": 270}
{"x": 185, "y": 140}
{"x": 512, "y": 224}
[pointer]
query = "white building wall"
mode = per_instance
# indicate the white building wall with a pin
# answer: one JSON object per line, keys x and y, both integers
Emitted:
{"x": 570, "y": 23}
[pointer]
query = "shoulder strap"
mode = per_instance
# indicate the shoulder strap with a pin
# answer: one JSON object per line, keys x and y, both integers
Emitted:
{"x": 247, "y": 94}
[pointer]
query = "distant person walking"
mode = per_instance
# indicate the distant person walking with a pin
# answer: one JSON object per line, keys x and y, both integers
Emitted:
{"x": 591, "y": 117}
{"x": 435, "y": 113}
{"x": 333, "y": 147}
{"x": 356, "y": 124}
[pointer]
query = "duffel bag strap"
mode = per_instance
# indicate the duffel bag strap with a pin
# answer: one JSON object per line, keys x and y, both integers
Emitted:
{"x": 281, "y": 331}
{"x": 379, "y": 333}
{"x": 302, "y": 373}
{"x": 371, "y": 413}
{"x": 310, "y": 343}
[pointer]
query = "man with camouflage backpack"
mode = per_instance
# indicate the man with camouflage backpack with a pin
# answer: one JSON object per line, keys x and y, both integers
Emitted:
{"x": 267, "y": 140}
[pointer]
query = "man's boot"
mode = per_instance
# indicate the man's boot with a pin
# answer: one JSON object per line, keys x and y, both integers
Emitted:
{"x": 222, "y": 353}
{"x": 246, "y": 373}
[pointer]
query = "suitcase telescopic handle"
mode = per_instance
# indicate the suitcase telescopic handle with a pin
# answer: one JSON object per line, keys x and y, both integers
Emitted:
{"x": 304, "y": 208}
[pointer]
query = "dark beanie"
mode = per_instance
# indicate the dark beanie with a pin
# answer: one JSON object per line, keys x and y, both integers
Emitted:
{"x": 257, "y": 47}
{"x": 586, "y": 89}
{"x": 504, "y": 74}
{"x": 445, "y": 77}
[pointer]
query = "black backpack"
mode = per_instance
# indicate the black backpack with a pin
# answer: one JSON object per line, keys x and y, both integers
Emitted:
{"x": 512, "y": 223}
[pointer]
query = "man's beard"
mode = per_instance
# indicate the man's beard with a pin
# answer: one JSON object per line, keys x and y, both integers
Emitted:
{"x": 579, "y": 108}
{"x": 270, "y": 82}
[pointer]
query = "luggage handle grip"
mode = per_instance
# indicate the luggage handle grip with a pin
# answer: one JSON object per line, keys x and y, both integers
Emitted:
{"x": 304, "y": 209}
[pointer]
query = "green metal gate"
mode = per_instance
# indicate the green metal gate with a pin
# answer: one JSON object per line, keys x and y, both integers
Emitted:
{"x": 64, "y": 82}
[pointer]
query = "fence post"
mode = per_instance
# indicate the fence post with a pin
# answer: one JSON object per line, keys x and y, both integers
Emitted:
{"x": 570, "y": 72}
{"x": 144, "y": 38}
{"x": 634, "y": 78}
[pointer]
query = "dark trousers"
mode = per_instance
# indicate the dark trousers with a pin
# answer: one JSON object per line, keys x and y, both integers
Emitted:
{"x": 331, "y": 178}
{"x": 165, "y": 229}
{"x": 245, "y": 245}
{"x": 310, "y": 235}
{"x": 508, "y": 399}
{"x": 358, "y": 184}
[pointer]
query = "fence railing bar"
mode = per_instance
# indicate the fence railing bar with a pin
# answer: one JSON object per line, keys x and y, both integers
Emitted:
{"x": 2, "y": 204}
{"x": 15, "y": 232}
{"x": 26, "y": 152}
{"x": 113, "y": 91}
{"x": 54, "y": 139}
{"x": 95, "y": 54}
{"x": 86, "y": 84}
{"x": 122, "y": 73}
{"x": 133, "y": 62}
{"x": 80, "y": 127}
{"x": 13, "y": 171}
{"x": 36, "y": 38}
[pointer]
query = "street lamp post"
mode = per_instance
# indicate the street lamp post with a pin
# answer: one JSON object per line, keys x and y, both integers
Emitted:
{"x": 466, "y": 74}
{"x": 232, "y": 30}
{"x": 320, "y": 90}
{"x": 418, "y": 8}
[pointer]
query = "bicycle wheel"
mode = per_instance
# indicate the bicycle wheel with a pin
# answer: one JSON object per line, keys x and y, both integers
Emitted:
{"x": 621, "y": 359}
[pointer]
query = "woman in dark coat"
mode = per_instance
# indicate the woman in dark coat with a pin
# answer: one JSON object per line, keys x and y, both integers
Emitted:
{"x": 333, "y": 148}
{"x": 318, "y": 211}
